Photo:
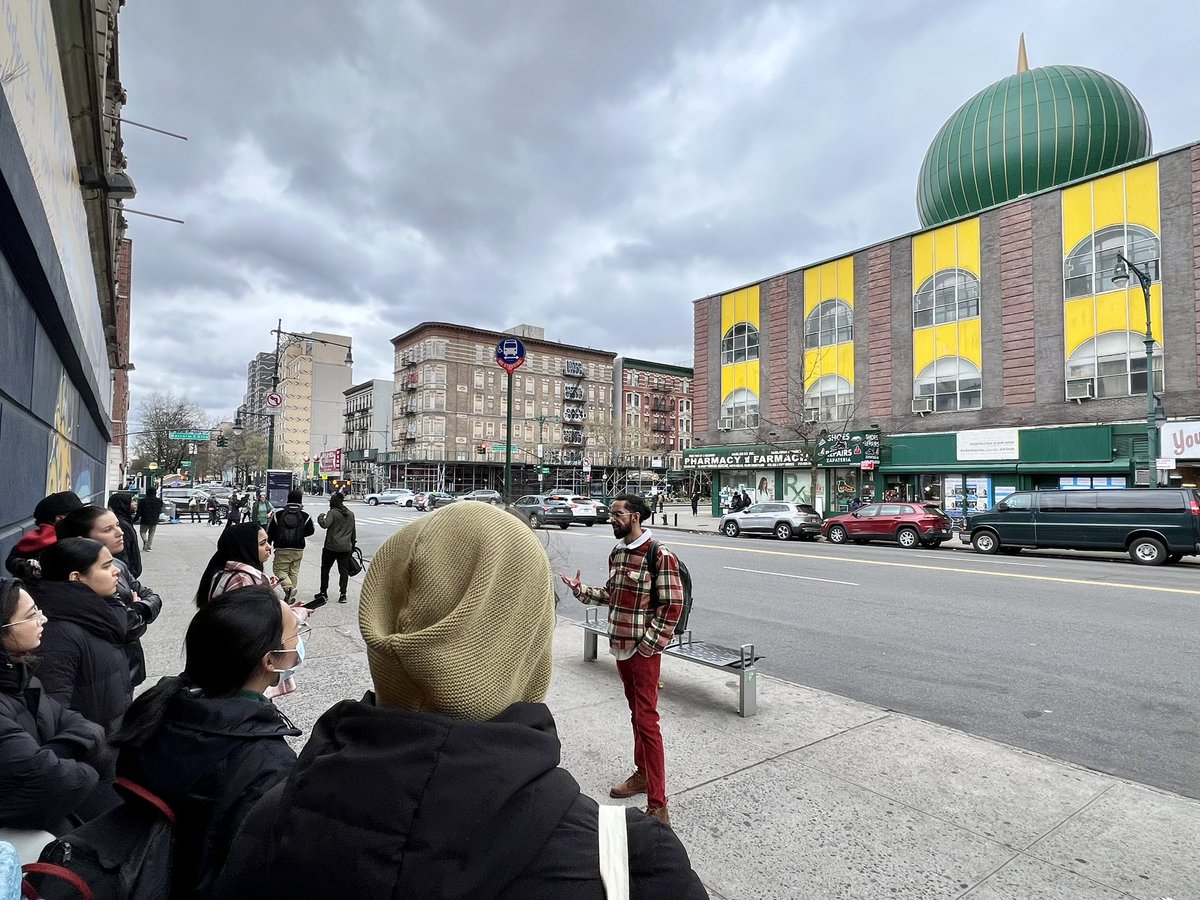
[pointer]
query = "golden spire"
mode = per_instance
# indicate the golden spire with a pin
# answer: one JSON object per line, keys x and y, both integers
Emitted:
{"x": 1022, "y": 62}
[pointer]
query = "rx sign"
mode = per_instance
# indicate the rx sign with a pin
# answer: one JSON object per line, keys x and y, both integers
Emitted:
{"x": 510, "y": 354}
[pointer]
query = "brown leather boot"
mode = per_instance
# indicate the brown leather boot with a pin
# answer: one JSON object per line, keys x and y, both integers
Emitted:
{"x": 660, "y": 813}
{"x": 631, "y": 786}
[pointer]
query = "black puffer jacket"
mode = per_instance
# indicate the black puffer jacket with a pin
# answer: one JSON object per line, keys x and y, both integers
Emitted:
{"x": 210, "y": 760}
{"x": 83, "y": 661}
{"x": 121, "y": 503}
{"x": 390, "y": 803}
{"x": 51, "y": 757}
{"x": 141, "y": 612}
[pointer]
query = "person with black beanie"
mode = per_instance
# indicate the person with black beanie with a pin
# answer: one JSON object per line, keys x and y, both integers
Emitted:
{"x": 48, "y": 513}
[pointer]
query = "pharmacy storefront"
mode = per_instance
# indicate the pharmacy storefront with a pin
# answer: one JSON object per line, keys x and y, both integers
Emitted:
{"x": 763, "y": 472}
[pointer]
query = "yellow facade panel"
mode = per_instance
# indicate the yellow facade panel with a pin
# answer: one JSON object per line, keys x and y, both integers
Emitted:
{"x": 922, "y": 250}
{"x": 843, "y": 286}
{"x": 741, "y": 375}
{"x": 1077, "y": 215}
{"x": 845, "y": 361}
{"x": 1112, "y": 312}
{"x": 1079, "y": 321}
{"x": 945, "y": 248}
{"x": 923, "y": 350}
{"x": 1108, "y": 201}
{"x": 970, "y": 342}
{"x": 739, "y": 306}
{"x": 1141, "y": 196}
{"x": 968, "y": 246}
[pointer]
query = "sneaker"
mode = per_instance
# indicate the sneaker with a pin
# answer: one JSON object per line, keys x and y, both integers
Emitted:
{"x": 342, "y": 599}
{"x": 631, "y": 786}
{"x": 660, "y": 813}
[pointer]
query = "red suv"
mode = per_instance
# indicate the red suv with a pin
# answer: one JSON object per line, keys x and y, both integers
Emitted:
{"x": 908, "y": 524}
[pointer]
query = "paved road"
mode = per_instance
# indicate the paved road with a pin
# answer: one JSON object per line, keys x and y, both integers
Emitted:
{"x": 1092, "y": 661}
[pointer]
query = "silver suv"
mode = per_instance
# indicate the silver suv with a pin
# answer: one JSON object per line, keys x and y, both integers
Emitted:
{"x": 784, "y": 520}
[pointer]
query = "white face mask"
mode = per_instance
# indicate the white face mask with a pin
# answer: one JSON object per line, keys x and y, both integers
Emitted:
{"x": 285, "y": 674}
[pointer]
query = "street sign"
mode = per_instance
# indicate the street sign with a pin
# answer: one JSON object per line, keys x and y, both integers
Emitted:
{"x": 192, "y": 447}
{"x": 544, "y": 470}
{"x": 1164, "y": 463}
{"x": 586, "y": 464}
{"x": 501, "y": 448}
{"x": 188, "y": 435}
{"x": 273, "y": 400}
{"x": 510, "y": 354}
{"x": 153, "y": 467}
{"x": 187, "y": 463}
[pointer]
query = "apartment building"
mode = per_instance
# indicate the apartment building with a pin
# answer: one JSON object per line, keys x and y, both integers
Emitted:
{"x": 368, "y": 433}
{"x": 313, "y": 378}
{"x": 449, "y": 426}
{"x": 654, "y": 418}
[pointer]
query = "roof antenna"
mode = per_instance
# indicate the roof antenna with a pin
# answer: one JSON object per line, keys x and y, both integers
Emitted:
{"x": 1022, "y": 62}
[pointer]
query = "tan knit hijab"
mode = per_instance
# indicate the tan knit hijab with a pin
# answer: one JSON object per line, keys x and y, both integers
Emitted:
{"x": 457, "y": 612}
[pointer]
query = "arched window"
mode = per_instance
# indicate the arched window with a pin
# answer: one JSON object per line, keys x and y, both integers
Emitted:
{"x": 831, "y": 398}
{"x": 1115, "y": 363}
{"x": 740, "y": 344}
{"x": 948, "y": 296}
{"x": 740, "y": 409}
{"x": 830, "y": 322}
{"x": 952, "y": 383}
{"x": 1088, "y": 269}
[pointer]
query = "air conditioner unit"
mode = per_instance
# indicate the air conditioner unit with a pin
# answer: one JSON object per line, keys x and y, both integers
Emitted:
{"x": 812, "y": 415}
{"x": 1081, "y": 389}
{"x": 922, "y": 405}
{"x": 725, "y": 423}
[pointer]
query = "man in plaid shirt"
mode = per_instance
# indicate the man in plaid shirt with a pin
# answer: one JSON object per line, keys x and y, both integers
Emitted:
{"x": 643, "y": 613}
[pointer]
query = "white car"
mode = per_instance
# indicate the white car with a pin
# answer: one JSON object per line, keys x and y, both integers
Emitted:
{"x": 583, "y": 510}
{"x": 396, "y": 496}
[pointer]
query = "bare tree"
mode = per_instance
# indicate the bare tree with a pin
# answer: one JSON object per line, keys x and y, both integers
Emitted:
{"x": 159, "y": 415}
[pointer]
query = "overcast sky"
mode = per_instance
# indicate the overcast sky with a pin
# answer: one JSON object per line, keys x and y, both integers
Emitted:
{"x": 589, "y": 167}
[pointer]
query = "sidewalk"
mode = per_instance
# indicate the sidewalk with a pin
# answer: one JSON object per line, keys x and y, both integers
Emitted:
{"x": 817, "y": 796}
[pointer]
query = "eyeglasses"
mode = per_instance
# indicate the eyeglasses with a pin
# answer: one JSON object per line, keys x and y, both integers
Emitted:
{"x": 300, "y": 633}
{"x": 33, "y": 616}
{"x": 623, "y": 514}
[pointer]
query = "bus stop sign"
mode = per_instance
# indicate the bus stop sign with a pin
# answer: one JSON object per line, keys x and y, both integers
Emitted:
{"x": 510, "y": 354}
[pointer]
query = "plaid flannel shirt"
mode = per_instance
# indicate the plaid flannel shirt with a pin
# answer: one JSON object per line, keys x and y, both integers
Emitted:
{"x": 642, "y": 615}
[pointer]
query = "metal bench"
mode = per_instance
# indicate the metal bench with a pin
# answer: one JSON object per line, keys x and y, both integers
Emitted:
{"x": 740, "y": 661}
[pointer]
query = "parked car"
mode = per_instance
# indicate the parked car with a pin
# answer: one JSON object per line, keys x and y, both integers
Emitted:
{"x": 583, "y": 510}
{"x": 434, "y": 499}
{"x": 539, "y": 510}
{"x": 393, "y": 496}
{"x": 485, "y": 495}
{"x": 784, "y": 520}
{"x": 908, "y": 524}
{"x": 1153, "y": 525}
{"x": 601, "y": 511}
{"x": 180, "y": 499}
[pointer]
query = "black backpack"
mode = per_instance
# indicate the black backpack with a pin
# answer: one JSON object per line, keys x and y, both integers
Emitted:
{"x": 123, "y": 854}
{"x": 684, "y": 576}
{"x": 289, "y": 525}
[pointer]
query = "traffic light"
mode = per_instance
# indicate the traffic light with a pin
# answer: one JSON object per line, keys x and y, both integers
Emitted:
{"x": 221, "y": 440}
{"x": 482, "y": 448}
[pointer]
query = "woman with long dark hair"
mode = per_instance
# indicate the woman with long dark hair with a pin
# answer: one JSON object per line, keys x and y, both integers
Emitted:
{"x": 238, "y": 562}
{"x": 52, "y": 759}
{"x": 124, "y": 506}
{"x": 207, "y": 741}
{"x": 84, "y": 665}
{"x": 141, "y": 602}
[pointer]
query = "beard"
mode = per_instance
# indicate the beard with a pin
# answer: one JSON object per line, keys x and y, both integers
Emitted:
{"x": 620, "y": 529}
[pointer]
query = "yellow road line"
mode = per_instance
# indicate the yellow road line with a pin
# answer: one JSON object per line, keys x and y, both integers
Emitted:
{"x": 961, "y": 571}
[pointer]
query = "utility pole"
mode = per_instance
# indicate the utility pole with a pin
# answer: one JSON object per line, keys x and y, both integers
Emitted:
{"x": 274, "y": 390}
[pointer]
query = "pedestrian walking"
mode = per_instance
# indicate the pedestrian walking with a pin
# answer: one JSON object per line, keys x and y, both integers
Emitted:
{"x": 643, "y": 613}
{"x": 450, "y": 769}
{"x": 196, "y": 506}
{"x": 287, "y": 532}
{"x": 745, "y": 499}
{"x": 340, "y": 539}
{"x": 696, "y": 502}
{"x": 233, "y": 514}
{"x": 214, "y": 510}
{"x": 148, "y": 511}
{"x": 261, "y": 511}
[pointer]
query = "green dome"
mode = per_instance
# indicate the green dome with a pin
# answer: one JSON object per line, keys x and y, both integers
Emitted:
{"x": 1029, "y": 132}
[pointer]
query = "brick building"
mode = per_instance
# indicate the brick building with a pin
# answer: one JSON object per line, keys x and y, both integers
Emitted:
{"x": 654, "y": 421}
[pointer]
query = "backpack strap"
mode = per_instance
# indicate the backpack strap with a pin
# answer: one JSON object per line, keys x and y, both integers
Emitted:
{"x": 71, "y": 878}
{"x": 142, "y": 794}
{"x": 652, "y": 551}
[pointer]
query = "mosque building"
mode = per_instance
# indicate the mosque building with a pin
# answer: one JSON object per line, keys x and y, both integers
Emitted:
{"x": 1002, "y": 347}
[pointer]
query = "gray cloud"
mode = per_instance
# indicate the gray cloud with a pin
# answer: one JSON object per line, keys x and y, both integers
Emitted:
{"x": 592, "y": 168}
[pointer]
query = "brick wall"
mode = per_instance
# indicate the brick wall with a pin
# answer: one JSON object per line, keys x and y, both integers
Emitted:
{"x": 700, "y": 380}
{"x": 776, "y": 401}
{"x": 879, "y": 325}
{"x": 1016, "y": 300}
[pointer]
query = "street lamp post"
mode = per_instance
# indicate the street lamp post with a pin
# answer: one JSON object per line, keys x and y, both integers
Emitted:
{"x": 279, "y": 333}
{"x": 1121, "y": 278}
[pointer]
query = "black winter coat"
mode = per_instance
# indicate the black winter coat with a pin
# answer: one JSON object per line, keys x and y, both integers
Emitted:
{"x": 392, "y": 803}
{"x": 83, "y": 662}
{"x": 289, "y": 527}
{"x": 210, "y": 760}
{"x": 51, "y": 757}
{"x": 141, "y": 612}
{"x": 120, "y": 504}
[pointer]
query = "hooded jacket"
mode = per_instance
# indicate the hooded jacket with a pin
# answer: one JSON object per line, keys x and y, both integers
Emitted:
{"x": 51, "y": 757}
{"x": 210, "y": 760}
{"x": 338, "y": 523}
{"x": 30, "y": 546}
{"x": 83, "y": 662}
{"x": 121, "y": 504}
{"x": 140, "y": 613}
{"x": 415, "y": 804}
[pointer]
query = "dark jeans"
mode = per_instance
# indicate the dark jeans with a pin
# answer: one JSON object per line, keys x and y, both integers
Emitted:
{"x": 328, "y": 558}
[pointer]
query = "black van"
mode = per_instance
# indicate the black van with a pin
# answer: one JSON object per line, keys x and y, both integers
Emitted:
{"x": 1155, "y": 525}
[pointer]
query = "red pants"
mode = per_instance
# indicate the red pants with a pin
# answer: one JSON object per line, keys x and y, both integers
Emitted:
{"x": 639, "y": 674}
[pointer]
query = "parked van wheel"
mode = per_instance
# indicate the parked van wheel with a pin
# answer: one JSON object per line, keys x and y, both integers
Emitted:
{"x": 985, "y": 542}
{"x": 1148, "y": 551}
{"x": 1173, "y": 558}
